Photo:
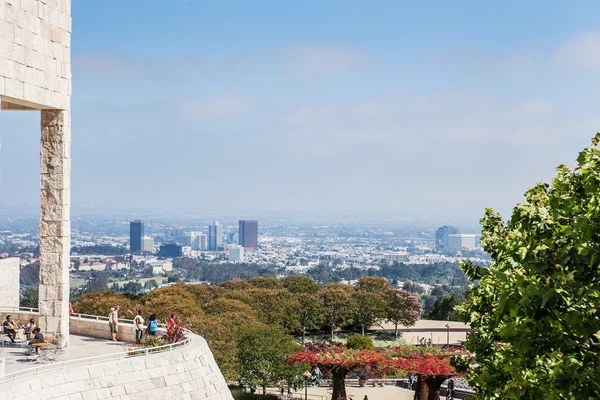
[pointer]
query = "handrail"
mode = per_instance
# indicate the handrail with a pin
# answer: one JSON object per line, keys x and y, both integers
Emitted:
{"x": 19, "y": 309}
{"x": 91, "y": 360}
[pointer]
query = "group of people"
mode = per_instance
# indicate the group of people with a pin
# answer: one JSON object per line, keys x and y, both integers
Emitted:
{"x": 140, "y": 330}
{"x": 30, "y": 330}
{"x": 10, "y": 328}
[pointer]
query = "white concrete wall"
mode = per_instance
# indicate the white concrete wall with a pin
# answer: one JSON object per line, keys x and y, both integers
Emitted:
{"x": 186, "y": 373}
{"x": 9, "y": 283}
{"x": 35, "y": 53}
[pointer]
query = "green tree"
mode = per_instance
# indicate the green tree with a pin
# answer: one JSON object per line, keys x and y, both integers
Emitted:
{"x": 305, "y": 312}
{"x": 338, "y": 306}
{"x": 370, "y": 308}
{"x": 151, "y": 284}
{"x": 265, "y": 283}
{"x": 263, "y": 352}
{"x": 535, "y": 315}
{"x": 300, "y": 284}
{"x": 359, "y": 342}
{"x": 403, "y": 309}
{"x": 98, "y": 283}
{"x": 29, "y": 297}
{"x": 443, "y": 308}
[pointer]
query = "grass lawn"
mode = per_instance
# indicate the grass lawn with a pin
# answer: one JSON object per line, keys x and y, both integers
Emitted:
{"x": 379, "y": 339}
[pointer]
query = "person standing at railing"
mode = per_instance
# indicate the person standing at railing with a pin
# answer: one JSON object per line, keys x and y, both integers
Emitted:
{"x": 152, "y": 325}
{"x": 139, "y": 327}
{"x": 113, "y": 321}
{"x": 171, "y": 323}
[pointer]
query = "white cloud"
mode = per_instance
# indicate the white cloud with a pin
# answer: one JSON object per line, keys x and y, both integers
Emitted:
{"x": 319, "y": 60}
{"x": 219, "y": 106}
{"x": 407, "y": 122}
{"x": 581, "y": 51}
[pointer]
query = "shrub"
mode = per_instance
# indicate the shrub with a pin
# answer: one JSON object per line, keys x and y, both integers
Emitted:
{"x": 241, "y": 395}
{"x": 359, "y": 342}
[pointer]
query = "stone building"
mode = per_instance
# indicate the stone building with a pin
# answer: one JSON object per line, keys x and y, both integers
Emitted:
{"x": 35, "y": 76}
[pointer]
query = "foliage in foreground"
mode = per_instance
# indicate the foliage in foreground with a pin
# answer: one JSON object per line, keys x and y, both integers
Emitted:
{"x": 536, "y": 312}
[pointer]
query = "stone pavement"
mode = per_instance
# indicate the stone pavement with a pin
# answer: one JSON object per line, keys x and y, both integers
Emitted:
{"x": 79, "y": 347}
{"x": 354, "y": 392}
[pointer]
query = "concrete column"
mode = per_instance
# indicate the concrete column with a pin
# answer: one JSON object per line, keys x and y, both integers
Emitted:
{"x": 55, "y": 222}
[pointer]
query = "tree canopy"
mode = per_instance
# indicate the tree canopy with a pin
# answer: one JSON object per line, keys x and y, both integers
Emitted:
{"x": 535, "y": 315}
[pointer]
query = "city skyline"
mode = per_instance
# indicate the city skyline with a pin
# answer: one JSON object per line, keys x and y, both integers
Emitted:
{"x": 337, "y": 106}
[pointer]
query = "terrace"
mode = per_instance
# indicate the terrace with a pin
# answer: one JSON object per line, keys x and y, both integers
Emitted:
{"x": 91, "y": 366}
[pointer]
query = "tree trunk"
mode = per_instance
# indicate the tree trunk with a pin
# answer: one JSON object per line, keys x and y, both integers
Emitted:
{"x": 338, "y": 379}
{"x": 264, "y": 390}
{"x": 363, "y": 330}
{"x": 420, "y": 388}
{"x": 433, "y": 386}
{"x": 303, "y": 334}
{"x": 332, "y": 333}
{"x": 396, "y": 330}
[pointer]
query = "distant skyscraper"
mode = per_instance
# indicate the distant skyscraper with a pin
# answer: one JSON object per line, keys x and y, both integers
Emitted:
{"x": 147, "y": 244}
{"x": 136, "y": 235}
{"x": 236, "y": 253}
{"x": 460, "y": 241}
{"x": 248, "y": 234}
{"x": 215, "y": 236}
{"x": 171, "y": 250}
{"x": 198, "y": 241}
{"x": 441, "y": 237}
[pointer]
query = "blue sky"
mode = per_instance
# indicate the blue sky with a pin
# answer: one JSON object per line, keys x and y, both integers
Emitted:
{"x": 437, "y": 109}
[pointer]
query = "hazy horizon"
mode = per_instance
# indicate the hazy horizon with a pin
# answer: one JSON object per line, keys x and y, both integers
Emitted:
{"x": 338, "y": 108}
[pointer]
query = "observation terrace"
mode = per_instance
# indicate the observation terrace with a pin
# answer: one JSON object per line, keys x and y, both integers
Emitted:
{"x": 92, "y": 367}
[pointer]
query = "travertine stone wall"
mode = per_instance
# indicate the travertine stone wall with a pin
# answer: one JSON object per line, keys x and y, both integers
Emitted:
{"x": 35, "y": 73}
{"x": 186, "y": 373}
{"x": 55, "y": 225}
{"x": 35, "y": 53}
{"x": 9, "y": 283}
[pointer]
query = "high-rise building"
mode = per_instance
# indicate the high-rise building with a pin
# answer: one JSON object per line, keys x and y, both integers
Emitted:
{"x": 148, "y": 244}
{"x": 236, "y": 253}
{"x": 198, "y": 241}
{"x": 171, "y": 250}
{"x": 460, "y": 241}
{"x": 441, "y": 237}
{"x": 248, "y": 234}
{"x": 136, "y": 234}
{"x": 215, "y": 236}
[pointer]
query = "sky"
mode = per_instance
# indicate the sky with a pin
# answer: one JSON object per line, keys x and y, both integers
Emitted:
{"x": 387, "y": 107}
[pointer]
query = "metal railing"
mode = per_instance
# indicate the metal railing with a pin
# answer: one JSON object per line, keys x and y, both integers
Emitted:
{"x": 133, "y": 352}
{"x": 4, "y": 310}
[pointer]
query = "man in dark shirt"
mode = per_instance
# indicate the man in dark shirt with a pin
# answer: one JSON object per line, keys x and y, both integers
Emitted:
{"x": 10, "y": 328}
{"x": 38, "y": 336}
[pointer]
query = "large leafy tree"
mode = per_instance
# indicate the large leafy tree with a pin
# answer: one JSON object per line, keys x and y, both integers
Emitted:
{"x": 263, "y": 352}
{"x": 535, "y": 315}
{"x": 338, "y": 306}
{"x": 370, "y": 308}
{"x": 403, "y": 308}
{"x": 339, "y": 361}
{"x": 304, "y": 313}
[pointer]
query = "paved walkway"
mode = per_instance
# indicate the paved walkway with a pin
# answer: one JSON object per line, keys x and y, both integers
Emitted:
{"x": 79, "y": 347}
{"x": 354, "y": 393}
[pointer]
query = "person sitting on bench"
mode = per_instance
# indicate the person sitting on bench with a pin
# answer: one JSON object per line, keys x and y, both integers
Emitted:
{"x": 10, "y": 328}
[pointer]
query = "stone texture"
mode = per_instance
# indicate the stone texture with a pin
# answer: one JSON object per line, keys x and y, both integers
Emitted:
{"x": 188, "y": 372}
{"x": 9, "y": 282}
{"x": 55, "y": 224}
{"x": 35, "y": 54}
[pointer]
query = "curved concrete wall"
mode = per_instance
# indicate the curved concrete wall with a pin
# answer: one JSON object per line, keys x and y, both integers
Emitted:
{"x": 189, "y": 372}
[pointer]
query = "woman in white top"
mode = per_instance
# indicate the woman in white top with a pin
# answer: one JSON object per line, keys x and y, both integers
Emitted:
{"x": 139, "y": 327}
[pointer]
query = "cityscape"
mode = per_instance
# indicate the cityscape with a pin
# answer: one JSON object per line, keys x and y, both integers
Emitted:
{"x": 309, "y": 200}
